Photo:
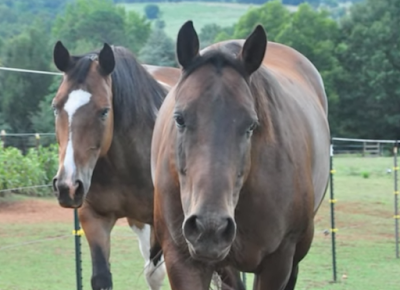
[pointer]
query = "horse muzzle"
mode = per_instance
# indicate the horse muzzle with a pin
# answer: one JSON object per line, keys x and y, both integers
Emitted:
{"x": 69, "y": 194}
{"x": 209, "y": 238}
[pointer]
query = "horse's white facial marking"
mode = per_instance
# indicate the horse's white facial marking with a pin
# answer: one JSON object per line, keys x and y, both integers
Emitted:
{"x": 76, "y": 99}
{"x": 155, "y": 274}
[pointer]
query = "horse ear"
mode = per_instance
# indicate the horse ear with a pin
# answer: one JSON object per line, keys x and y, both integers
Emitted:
{"x": 187, "y": 47}
{"x": 61, "y": 57}
{"x": 106, "y": 59}
{"x": 253, "y": 50}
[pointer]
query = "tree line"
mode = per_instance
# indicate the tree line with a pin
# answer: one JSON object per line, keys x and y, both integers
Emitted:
{"x": 356, "y": 51}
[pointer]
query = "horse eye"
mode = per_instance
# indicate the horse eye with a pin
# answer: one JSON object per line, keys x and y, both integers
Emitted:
{"x": 252, "y": 128}
{"x": 104, "y": 113}
{"x": 180, "y": 122}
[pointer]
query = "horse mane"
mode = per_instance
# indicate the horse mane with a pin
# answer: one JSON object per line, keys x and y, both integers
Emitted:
{"x": 137, "y": 96}
{"x": 261, "y": 82}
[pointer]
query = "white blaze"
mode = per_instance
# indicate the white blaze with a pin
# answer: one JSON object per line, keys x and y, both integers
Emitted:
{"x": 76, "y": 99}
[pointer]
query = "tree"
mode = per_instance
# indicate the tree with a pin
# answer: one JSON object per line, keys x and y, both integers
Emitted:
{"x": 17, "y": 15}
{"x": 94, "y": 22}
{"x": 273, "y": 16}
{"x": 152, "y": 11}
{"x": 316, "y": 35}
{"x": 43, "y": 119}
{"x": 208, "y": 34}
{"x": 159, "y": 50}
{"x": 369, "y": 87}
{"x": 21, "y": 92}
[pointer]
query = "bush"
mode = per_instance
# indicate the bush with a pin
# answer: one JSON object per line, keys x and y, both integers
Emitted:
{"x": 36, "y": 168}
{"x": 365, "y": 174}
{"x": 152, "y": 11}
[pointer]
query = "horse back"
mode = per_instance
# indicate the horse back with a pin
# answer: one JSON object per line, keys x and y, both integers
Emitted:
{"x": 166, "y": 76}
{"x": 294, "y": 65}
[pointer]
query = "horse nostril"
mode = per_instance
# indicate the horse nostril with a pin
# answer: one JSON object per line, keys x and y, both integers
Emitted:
{"x": 192, "y": 228}
{"x": 227, "y": 230}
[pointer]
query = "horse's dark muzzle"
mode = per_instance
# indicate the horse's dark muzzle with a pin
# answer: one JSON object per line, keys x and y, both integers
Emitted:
{"x": 209, "y": 238}
{"x": 69, "y": 196}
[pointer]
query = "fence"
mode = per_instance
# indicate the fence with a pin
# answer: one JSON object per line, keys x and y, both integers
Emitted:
{"x": 367, "y": 148}
{"x": 363, "y": 147}
{"x": 24, "y": 141}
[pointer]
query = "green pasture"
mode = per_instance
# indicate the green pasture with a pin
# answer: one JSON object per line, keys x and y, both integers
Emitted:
{"x": 41, "y": 256}
{"x": 176, "y": 13}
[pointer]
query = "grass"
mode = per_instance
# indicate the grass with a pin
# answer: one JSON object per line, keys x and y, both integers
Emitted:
{"x": 202, "y": 13}
{"x": 365, "y": 242}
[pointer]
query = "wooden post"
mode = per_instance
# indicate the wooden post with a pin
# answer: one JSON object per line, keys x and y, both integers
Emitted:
{"x": 3, "y": 137}
{"x": 37, "y": 136}
{"x": 364, "y": 145}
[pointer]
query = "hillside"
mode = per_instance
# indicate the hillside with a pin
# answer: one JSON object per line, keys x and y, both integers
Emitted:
{"x": 202, "y": 13}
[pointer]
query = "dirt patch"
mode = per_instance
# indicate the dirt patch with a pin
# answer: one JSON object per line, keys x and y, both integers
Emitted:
{"x": 35, "y": 210}
{"x": 374, "y": 209}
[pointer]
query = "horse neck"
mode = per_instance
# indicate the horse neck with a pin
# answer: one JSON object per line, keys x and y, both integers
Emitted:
{"x": 130, "y": 151}
{"x": 138, "y": 98}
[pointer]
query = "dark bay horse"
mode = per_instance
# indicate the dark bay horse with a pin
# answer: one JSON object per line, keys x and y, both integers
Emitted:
{"x": 105, "y": 111}
{"x": 240, "y": 161}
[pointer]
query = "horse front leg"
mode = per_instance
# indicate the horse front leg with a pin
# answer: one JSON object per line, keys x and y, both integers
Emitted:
{"x": 276, "y": 269}
{"x": 154, "y": 270}
{"x": 184, "y": 273}
{"x": 97, "y": 229}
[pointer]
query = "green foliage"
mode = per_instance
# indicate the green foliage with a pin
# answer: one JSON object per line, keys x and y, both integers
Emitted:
{"x": 369, "y": 85}
{"x": 17, "y": 15}
{"x": 43, "y": 119}
{"x": 152, "y": 11}
{"x": 3, "y": 123}
{"x": 202, "y": 13}
{"x": 94, "y": 22}
{"x": 272, "y": 15}
{"x": 365, "y": 174}
{"x": 316, "y": 35}
{"x": 208, "y": 33}
{"x": 159, "y": 50}
{"x": 21, "y": 92}
{"x": 37, "y": 167}
{"x": 159, "y": 24}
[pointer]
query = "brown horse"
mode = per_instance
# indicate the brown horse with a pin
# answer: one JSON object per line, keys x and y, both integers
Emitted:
{"x": 240, "y": 161}
{"x": 105, "y": 111}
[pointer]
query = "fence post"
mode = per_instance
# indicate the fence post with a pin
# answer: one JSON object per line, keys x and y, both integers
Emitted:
{"x": 332, "y": 202}
{"x": 244, "y": 280}
{"x": 396, "y": 199}
{"x": 78, "y": 254}
{"x": 3, "y": 137}
{"x": 364, "y": 148}
{"x": 37, "y": 137}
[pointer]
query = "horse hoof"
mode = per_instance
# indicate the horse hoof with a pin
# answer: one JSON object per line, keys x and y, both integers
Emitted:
{"x": 102, "y": 282}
